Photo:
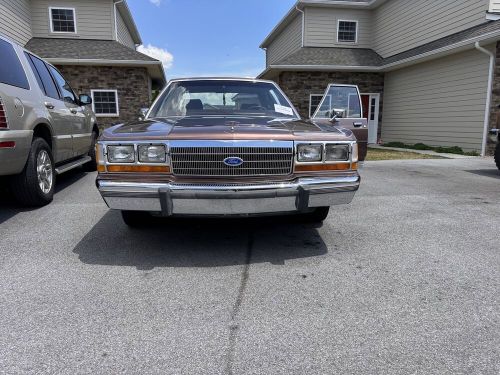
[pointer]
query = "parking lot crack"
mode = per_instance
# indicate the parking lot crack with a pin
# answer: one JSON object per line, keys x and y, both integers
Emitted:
{"x": 233, "y": 323}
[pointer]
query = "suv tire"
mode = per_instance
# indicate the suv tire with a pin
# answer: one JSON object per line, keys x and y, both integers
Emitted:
{"x": 91, "y": 166}
{"x": 497, "y": 155}
{"x": 135, "y": 219}
{"x": 317, "y": 216}
{"x": 34, "y": 186}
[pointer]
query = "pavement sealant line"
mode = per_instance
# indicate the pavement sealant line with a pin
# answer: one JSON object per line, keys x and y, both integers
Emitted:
{"x": 233, "y": 325}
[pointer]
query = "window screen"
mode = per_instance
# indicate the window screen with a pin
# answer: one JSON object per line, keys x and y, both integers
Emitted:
{"x": 347, "y": 31}
{"x": 11, "y": 70}
{"x": 63, "y": 20}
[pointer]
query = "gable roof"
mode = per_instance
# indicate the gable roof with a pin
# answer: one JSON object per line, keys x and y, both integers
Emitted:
{"x": 297, "y": 9}
{"x": 122, "y": 7}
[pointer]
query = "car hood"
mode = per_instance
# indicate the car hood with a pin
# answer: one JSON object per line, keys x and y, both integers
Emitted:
{"x": 226, "y": 128}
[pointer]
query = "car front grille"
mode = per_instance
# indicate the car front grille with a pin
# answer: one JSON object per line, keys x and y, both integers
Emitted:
{"x": 209, "y": 161}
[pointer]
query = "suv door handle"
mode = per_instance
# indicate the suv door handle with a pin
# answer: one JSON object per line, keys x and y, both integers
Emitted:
{"x": 357, "y": 124}
{"x": 73, "y": 111}
{"x": 49, "y": 105}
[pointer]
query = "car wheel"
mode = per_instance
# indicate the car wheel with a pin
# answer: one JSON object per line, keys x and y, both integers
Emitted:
{"x": 91, "y": 166}
{"x": 135, "y": 219}
{"x": 317, "y": 216}
{"x": 34, "y": 186}
{"x": 497, "y": 155}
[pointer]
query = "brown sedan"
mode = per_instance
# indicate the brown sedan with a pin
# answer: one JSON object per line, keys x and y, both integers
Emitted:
{"x": 222, "y": 147}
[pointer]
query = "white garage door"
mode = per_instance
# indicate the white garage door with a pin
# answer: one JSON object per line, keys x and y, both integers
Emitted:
{"x": 439, "y": 103}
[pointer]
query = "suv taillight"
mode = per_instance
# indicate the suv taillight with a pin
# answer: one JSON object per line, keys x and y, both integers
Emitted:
{"x": 3, "y": 116}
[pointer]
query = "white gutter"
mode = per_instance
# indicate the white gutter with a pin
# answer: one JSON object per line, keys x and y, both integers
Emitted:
{"x": 487, "y": 110}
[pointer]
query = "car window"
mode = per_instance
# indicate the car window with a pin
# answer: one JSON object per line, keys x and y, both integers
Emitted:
{"x": 11, "y": 69}
{"x": 341, "y": 100}
{"x": 66, "y": 90}
{"x": 43, "y": 77}
{"x": 223, "y": 97}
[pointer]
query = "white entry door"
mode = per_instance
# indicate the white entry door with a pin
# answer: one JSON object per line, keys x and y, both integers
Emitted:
{"x": 373, "y": 114}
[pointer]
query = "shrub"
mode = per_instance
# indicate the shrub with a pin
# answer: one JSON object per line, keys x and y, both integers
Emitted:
{"x": 421, "y": 146}
{"x": 395, "y": 144}
{"x": 449, "y": 150}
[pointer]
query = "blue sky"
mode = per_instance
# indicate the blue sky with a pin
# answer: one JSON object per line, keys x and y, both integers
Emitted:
{"x": 207, "y": 37}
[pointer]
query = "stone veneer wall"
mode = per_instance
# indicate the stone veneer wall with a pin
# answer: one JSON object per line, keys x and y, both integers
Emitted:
{"x": 300, "y": 85}
{"x": 132, "y": 84}
{"x": 495, "y": 102}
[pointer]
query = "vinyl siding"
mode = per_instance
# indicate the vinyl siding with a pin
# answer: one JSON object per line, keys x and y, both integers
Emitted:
{"x": 441, "y": 102}
{"x": 124, "y": 36}
{"x": 15, "y": 20}
{"x": 95, "y": 18}
{"x": 399, "y": 25}
{"x": 321, "y": 27}
{"x": 287, "y": 42}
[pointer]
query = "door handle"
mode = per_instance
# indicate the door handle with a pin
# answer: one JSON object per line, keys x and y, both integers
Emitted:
{"x": 49, "y": 105}
{"x": 73, "y": 111}
{"x": 357, "y": 124}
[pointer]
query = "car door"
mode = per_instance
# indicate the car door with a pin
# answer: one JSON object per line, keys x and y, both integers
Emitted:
{"x": 58, "y": 112}
{"x": 77, "y": 115}
{"x": 341, "y": 106}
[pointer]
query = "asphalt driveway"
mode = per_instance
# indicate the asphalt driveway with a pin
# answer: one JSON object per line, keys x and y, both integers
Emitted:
{"x": 406, "y": 280}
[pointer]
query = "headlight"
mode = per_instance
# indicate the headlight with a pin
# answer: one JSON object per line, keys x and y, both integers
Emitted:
{"x": 152, "y": 154}
{"x": 337, "y": 152}
{"x": 309, "y": 153}
{"x": 121, "y": 154}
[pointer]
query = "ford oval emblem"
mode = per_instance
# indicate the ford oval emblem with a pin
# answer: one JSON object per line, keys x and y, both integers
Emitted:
{"x": 233, "y": 161}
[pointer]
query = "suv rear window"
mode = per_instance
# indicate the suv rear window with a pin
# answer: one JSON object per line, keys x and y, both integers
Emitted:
{"x": 11, "y": 70}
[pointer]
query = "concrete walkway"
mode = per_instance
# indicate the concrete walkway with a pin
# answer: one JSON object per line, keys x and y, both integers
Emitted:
{"x": 425, "y": 152}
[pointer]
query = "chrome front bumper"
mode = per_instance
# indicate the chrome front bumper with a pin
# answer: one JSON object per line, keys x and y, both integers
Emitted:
{"x": 170, "y": 199}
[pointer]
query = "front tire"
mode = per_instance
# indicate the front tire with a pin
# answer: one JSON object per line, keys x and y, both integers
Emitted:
{"x": 497, "y": 155}
{"x": 34, "y": 186}
{"x": 135, "y": 219}
{"x": 317, "y": 216}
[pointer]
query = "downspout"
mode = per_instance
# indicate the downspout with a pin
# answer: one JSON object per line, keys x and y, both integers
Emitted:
{"x": 487, "y": 110}
{"x": 303, "y": 22}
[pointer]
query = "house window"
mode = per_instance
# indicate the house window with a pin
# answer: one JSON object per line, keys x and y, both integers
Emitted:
{"x": 315, "y": 101}
{"x": 347, "y": 31}
{"x": 105, "y": 103}
{"x": 62, "y": 20}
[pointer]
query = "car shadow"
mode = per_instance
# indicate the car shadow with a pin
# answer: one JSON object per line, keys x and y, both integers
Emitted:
{"x": 9, "y": 207}
{"x": 493, "y": 173}
{"x": 183, "y": 242}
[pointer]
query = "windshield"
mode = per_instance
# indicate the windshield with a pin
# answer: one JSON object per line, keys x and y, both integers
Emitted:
{"x": 222, "y": 97}
{"x": 344, "y": 101}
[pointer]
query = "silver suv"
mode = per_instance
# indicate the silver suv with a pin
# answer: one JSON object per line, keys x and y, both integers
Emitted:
{"x": 45, "y": 129}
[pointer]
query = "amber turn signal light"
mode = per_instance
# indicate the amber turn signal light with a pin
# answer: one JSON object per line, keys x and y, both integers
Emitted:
{"x": 326, "y": 167}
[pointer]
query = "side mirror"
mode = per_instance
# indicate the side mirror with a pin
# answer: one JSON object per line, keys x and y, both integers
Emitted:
{"x": 335, "y": 115}
{"x": 85, "y": 99}
{"x": 142, "y": 113}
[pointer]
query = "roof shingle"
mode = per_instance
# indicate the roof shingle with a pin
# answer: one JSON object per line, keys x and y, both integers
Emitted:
{"x": 84, "y": 49}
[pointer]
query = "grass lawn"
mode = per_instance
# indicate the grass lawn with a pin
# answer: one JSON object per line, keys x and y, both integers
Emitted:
{"x": 377, "y": 154}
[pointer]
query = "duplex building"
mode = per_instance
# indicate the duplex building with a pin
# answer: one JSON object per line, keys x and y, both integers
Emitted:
{"x": 428, "y": 69}
{"x": 93, "y": 43}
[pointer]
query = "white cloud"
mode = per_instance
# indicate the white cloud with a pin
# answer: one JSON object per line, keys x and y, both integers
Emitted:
{"x": 155, "y": 2}
{"x": 166, "y": 58}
